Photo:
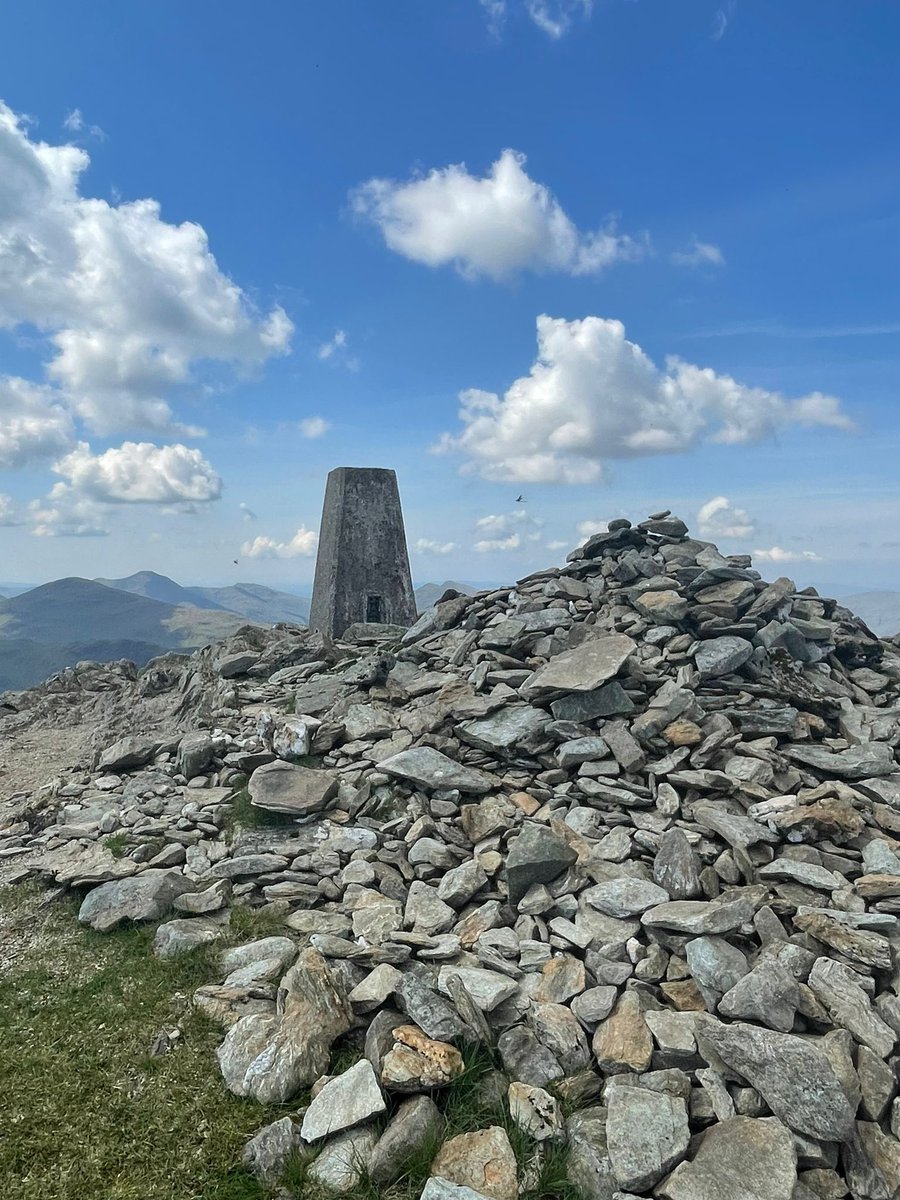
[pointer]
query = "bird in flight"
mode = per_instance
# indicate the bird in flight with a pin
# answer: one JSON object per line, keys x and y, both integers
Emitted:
{"x": 520, "y": 499}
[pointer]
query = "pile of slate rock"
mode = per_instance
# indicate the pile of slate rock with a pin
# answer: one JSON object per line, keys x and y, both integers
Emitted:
{"x": 633, "y": 826}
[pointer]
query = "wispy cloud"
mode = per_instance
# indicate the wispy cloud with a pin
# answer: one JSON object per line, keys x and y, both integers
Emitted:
{"x": 337, "y": 350}
{"x": 721, "y": 19}
{"x": 313, "y": 427}
{"x": 699, "y": 254}
{"x": 74, "y": 122}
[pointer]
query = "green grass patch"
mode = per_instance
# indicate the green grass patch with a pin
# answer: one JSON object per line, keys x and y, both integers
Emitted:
{"x": 116, "y": 843}
{"x": 86, "y": 1112}
{"x": 243, "y": 814}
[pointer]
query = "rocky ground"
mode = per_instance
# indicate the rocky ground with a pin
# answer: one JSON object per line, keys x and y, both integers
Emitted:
{"x": 632, "y": 828}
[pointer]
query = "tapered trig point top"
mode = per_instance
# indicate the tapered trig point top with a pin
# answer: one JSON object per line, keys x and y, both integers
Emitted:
{"x": 362, "y": 567}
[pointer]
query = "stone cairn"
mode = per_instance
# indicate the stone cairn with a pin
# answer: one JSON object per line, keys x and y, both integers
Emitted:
{"x": 633, "y": 825}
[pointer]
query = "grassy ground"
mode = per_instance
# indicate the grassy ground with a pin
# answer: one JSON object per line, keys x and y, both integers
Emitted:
{"x": 86, "y": 1113}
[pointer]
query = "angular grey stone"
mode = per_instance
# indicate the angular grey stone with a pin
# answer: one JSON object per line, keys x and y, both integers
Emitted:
{"x": 625, "y": 897}
{"x": 459, "y": 885}
{"x": 501, "y": 732}
{"x": 768, "y": 994}
{"x": 269, "y": 1149}
{"x": 230, "y": 666}
{"x": 144, "y": 897}
{"x": 858, "y": 762}
{"x": 260, "y": 950}
{"x": 580, "y": 750}
{"x": 716, "y": 966}
{"x": 647, "y": 1134}
{"x": 536, "y": 855}
{"x": 808, "y": 874}
{"x": 840, "y": 991}
{"x": 185, "y": 934}
{"x": 428, "y": 768}
{"x": 284, "y": 787}
{"x": 582, "y": 669}
{"x": 675, "y": 866}
{"x": 270, "y": 1057}
{"x": 443, "y": 1189}
{"x": 413, "y": 1125}
{"x": 127, "y": 753}
{"x": 699, "y": 917}
{"x": 871, "y": 1161}
{"x": 525, "y": 1059}
{"x": 346, "y": 1100}
{"x": 588, "y": 1166}
{"x": 793, "y": 1075}
{"x": 721, "y": 656}
{"x": 487, "y": 988}
{"x": 735, "y": 828}
{"x": 738, "y": 1159}
{"x": 195, "y": 753}
{"x": 344, "y": 1159}
{"x": 248, "y": 864}
{"x": 607, "y": 701}
{"x": 431, "y": 1012}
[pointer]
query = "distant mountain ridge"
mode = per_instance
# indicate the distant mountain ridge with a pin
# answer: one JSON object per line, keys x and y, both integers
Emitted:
{"x": 63, "y": 622}
{"x": 257, "y": 603}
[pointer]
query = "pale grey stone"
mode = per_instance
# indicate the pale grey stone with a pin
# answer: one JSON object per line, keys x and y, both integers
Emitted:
{"x": 346, "y": 1100}
{"x": 144, "y": 897}
{"x": 344, "y": 1159}
{"x": 429, "y": 768}
{"x": 487, "y": 988}
{"x": 582, "y": 669}
{"x": 737, "y": 1159}
{"x": 416, "y": 1121}
{"x": 647, "y": 1134}
{"x": 185, "y": 934}
{"x": 792, "y": 1074}
{"x": 625, "y": 897}
{"x": 269, "y": 1149}
{"x": 287, "y": 788}
{"x": 722, "y": 656}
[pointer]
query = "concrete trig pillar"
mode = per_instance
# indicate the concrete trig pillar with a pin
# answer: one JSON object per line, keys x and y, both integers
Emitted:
{"x": 362, "y": 567}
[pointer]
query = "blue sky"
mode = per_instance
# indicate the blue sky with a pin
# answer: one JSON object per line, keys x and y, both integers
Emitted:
{"x": 384, "y": 201}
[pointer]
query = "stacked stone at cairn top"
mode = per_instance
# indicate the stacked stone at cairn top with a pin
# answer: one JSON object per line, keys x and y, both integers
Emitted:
{"x": 362, "y": 568}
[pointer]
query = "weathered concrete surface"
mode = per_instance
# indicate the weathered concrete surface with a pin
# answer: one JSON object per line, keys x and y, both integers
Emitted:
{"x": 362, "y": 568}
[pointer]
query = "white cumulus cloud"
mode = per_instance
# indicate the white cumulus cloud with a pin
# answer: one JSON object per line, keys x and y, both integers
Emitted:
{"x": 430, "y": 546}
{"x": 775, "y": 554}
{"x": 491, "y": 225}
{"x": 33, "y": 424}
{"x": 8, "y": 514}
{"x": 314, "y": 427}
{"x": 718, "y": 518}
{"x": 130, "y": 304}
{"x": 140, "y": 473}
{"x": 699, "y": 254}
{"x": 301, "y": 545}
{"x": 592, "y": 396}
{"x": 506, "y": 531}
